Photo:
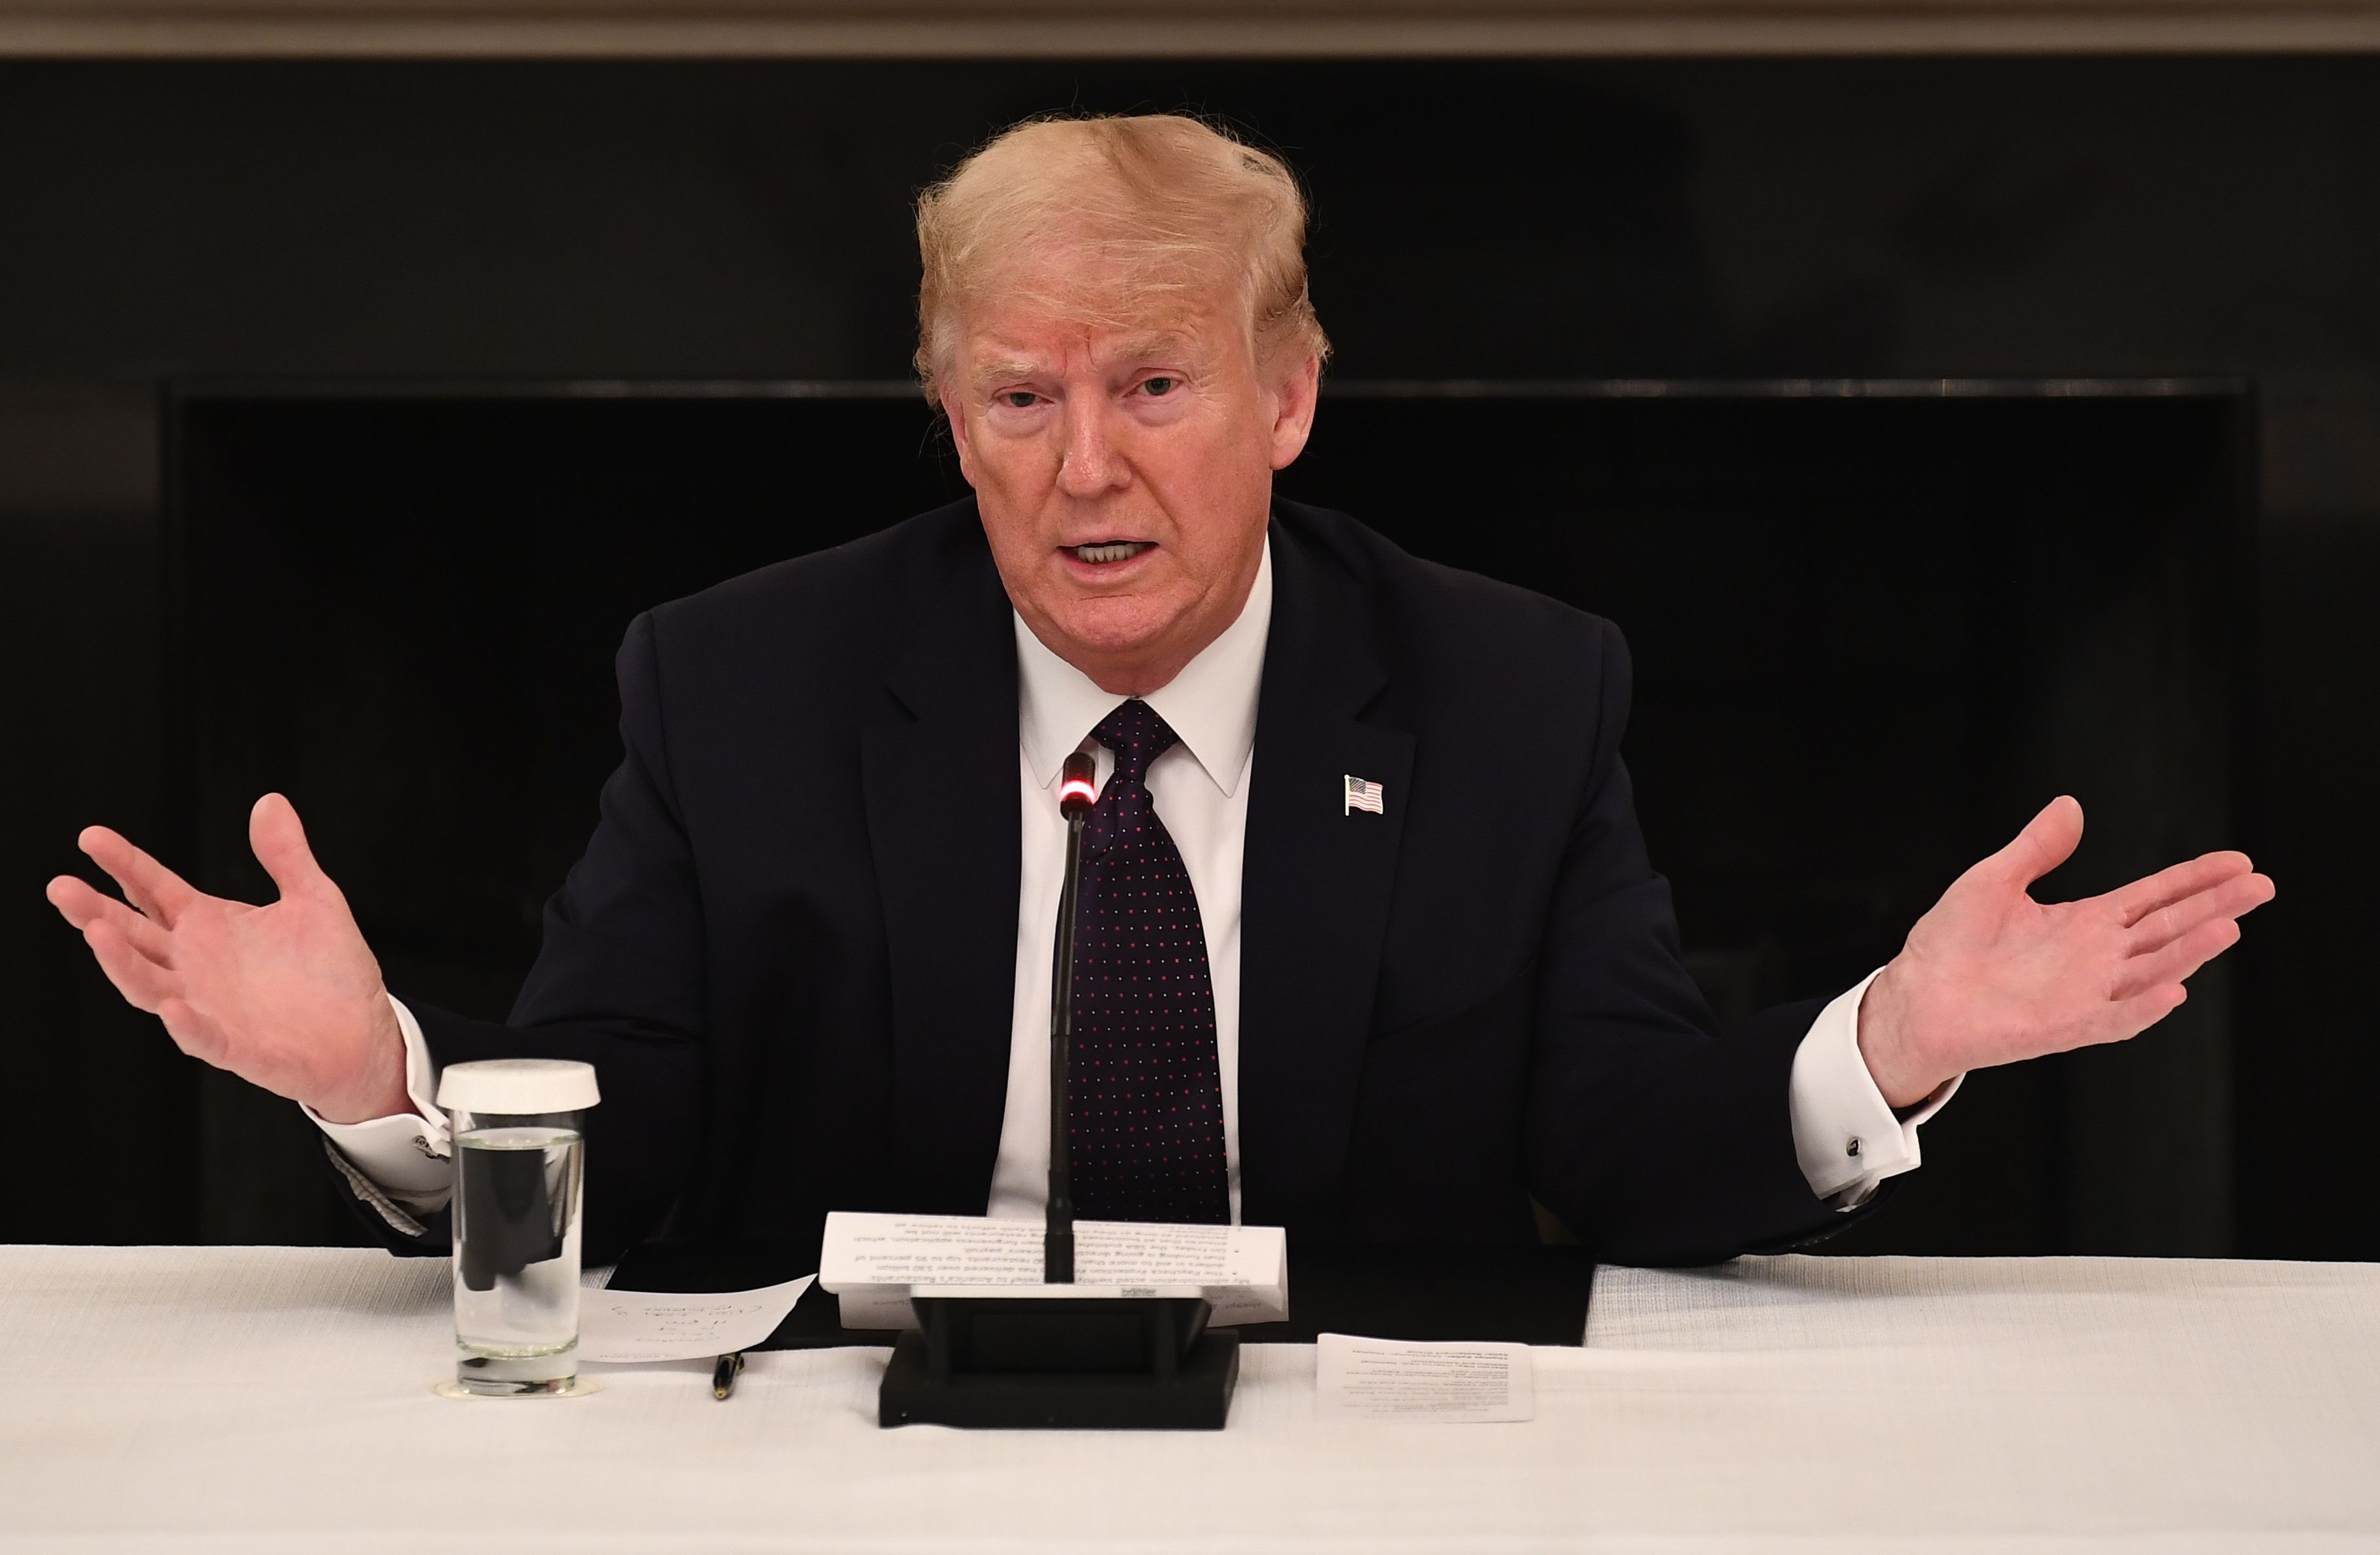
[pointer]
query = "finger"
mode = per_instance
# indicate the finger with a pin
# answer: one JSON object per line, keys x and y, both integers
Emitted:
{"x": 2232, "y": 898}
{"x": 2178, "y": 960}
{"x": 2132, "y": 1016}
{"x": 75, "y": 900}
{"x": 82, "y": 906}
{"x": 279, "y": 839}
{"x": 2048, "y": 840}
{"x": 200, "y": 1039}
{"x": 147, "y": 884}
{"x": 2136, "y": 900}
{"x": 144, "y": 984}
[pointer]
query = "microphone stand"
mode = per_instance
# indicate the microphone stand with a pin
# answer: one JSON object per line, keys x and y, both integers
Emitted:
{"x": 1076, "y": 795}
{"x": 1058, "y": 1354}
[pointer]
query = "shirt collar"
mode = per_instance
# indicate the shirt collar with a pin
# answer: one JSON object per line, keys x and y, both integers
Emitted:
{"x": 1211, "y": 704}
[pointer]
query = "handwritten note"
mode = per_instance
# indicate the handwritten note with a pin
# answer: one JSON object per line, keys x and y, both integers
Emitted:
{"x": 656, "y": 1326}
{"x": 1399, "y": 1379}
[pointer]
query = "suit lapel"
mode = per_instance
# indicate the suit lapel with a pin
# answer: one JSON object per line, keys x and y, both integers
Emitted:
{"x": 1316, "y": 888}
{"x": 940, "y": 777}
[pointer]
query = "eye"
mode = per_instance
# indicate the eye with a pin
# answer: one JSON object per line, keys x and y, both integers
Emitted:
{"x": 1157, "y": 388}
{"x": 1018, "y": 399}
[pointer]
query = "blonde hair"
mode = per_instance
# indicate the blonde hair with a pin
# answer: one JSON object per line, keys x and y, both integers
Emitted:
{"x": 1172, "y": 209}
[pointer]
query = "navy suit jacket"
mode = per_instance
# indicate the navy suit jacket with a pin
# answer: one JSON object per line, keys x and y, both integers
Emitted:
{"x": 789, "y": 949}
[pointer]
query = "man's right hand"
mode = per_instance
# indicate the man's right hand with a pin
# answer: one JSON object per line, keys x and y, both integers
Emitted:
{"x": 287, "y": 996}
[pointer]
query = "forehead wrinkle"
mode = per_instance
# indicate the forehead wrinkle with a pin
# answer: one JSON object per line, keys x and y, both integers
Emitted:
{"x": 1147, "y": 344}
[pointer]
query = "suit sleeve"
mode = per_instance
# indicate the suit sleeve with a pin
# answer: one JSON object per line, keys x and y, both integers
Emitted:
{"x": 1654, "y": 1138}
{"x": 619, "y": 983}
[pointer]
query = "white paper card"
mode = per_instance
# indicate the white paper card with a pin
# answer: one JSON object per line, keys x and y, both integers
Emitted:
{"x": 1399, "y": 1379}
{"x": 905, "y": 1250}
{"x": 872, "y": 1260}
{"x": 659, "y": 1326}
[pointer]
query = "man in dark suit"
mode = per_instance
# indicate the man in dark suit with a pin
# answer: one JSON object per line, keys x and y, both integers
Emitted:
{"x": 1371, "y": 946}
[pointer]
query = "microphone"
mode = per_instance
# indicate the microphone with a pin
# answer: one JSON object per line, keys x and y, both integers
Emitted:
{"x": 1077, "y": 792}
{"x": 1062, "y": 1353}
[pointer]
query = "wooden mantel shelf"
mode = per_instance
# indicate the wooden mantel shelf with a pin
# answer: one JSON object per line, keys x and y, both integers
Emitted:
{"x": 1279, "y": 28}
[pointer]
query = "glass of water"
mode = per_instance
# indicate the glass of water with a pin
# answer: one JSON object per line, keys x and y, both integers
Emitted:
{"x": 519, "y": 1165}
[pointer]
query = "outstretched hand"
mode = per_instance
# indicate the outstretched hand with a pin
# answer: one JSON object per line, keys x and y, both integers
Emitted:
{"x": 1990, "y": 976}
{"x": 287, "y": 996}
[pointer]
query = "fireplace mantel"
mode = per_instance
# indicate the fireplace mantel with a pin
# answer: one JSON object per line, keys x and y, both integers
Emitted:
{"x": 1019, "y": 29}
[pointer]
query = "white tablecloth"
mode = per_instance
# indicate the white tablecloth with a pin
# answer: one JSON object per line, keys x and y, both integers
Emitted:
{"x": 278, "y": 1400}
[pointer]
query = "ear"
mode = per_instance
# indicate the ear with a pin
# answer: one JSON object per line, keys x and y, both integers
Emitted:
{"x": 1295, "y": 389}
{"x": 955, "y": 414}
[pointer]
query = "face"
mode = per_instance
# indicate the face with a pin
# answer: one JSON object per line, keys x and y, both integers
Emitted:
{"x": 1124, "y": 476}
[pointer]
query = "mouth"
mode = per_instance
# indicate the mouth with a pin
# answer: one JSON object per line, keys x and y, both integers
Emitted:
{"x": 1105, "y": 553}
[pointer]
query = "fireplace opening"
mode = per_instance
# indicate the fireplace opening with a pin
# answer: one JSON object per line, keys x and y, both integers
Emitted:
{"x": 1875, "y": 625}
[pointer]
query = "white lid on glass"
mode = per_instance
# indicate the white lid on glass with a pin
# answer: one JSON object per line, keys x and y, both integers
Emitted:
{"x": 518, "y": 1085}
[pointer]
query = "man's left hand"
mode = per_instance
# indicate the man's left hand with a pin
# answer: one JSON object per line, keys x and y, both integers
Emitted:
{"x": 1991, "y": 976}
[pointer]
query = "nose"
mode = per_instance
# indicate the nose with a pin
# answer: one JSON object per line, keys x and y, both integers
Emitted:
{"x": 1089, "y": 466}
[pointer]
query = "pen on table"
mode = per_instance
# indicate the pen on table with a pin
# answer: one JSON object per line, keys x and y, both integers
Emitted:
{"x": 724, "y": 1373}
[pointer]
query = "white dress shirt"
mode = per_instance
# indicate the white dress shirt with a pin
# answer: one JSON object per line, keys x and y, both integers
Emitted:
{"x": 1845, "y": 1135}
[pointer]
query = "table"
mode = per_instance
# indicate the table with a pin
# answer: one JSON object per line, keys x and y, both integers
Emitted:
{"x": 278, "y": 1400}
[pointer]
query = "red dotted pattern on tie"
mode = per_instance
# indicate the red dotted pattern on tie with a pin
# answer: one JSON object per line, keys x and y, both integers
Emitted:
{"x": 1144, "y": 1098}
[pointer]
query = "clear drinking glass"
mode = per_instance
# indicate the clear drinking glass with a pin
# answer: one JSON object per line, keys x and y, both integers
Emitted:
{"x": 519, "y": 1171}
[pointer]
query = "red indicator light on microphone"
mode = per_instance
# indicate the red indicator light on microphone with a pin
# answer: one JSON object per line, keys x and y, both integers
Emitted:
{"x": 1077, "y": 790}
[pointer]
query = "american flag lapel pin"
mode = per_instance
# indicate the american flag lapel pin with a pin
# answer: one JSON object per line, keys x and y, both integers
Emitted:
{"x": 1363, "y": 795}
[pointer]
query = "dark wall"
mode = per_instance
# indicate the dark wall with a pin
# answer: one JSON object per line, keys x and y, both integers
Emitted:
{"x": 1889, "y": 218}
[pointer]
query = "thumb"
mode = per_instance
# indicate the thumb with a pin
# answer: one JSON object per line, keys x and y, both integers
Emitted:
{"x": 2048, "y": 839}
{"x": 274, "y": 832}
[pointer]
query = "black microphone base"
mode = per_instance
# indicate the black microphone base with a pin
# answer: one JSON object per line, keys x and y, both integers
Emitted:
{"x": 1044, "y": 1363}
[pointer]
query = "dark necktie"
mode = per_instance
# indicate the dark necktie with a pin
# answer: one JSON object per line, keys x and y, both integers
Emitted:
{"x": 1145, "y": 1103}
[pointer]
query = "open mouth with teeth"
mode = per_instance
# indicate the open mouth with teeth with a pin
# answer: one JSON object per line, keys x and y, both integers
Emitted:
{"x": 1105, "y": 551}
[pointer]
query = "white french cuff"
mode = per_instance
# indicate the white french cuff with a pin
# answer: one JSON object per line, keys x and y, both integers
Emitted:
{"x": 1845, "y": 1133}
{"x": 364, "y": 1188}
{"x": 407, "y": 1158}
